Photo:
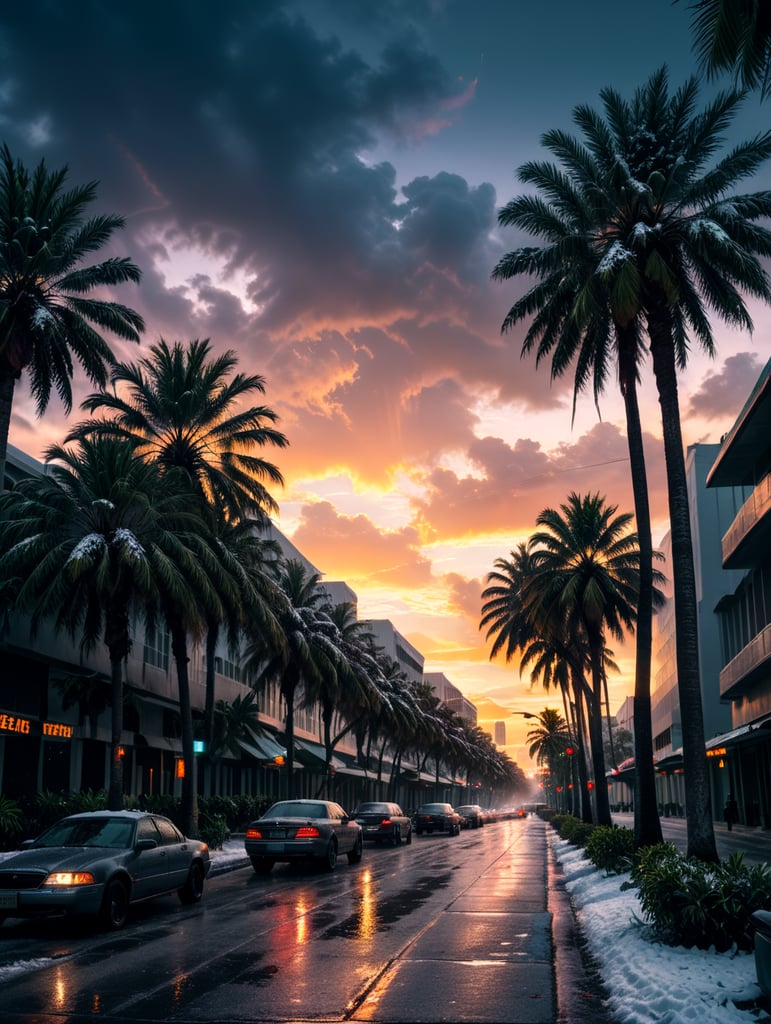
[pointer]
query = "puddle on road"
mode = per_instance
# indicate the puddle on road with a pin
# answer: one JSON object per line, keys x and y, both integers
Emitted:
{"x": 377, "y": 915}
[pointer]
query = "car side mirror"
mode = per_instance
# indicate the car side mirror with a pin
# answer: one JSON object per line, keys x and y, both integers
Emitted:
{"x": 145, "y": 844}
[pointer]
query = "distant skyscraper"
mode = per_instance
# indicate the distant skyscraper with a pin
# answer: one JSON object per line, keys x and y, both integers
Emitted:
{"x": 500, "y": 734}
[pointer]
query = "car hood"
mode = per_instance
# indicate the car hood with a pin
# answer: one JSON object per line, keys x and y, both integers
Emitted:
{"x": 59, "y": 858}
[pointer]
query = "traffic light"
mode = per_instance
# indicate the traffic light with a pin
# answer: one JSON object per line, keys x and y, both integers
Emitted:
{"x": 569, "y": 751}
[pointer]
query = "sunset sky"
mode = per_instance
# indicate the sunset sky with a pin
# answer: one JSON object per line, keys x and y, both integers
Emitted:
{"x": 315, "y": 185}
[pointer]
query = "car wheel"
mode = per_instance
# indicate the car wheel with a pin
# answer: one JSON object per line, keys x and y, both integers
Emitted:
{"x": 330, "y": 857}
{"x": 262, "y": 865}
{"x": 354, "y": 855}
{"x": 396, "y": 836}
{"x": 409, "y": 836}
{"x": 192, "y": 890}
{"x": 115, "y": 905}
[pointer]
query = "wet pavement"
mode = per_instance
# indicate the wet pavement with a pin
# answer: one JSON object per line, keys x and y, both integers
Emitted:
{"x": 507, "y": 950}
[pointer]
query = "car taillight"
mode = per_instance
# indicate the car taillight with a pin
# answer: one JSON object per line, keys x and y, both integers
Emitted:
{"x": 386, "y": 821}
{"x": 253, "y": 833}
{"x": 307, "y": 832}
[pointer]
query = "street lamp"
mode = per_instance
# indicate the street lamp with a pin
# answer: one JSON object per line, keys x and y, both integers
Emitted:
{"x": 525, "y": 714}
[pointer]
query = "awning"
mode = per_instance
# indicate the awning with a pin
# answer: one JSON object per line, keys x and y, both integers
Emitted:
{"x": 264, "y": 748}
{"x": 312, "y": 754}
{"x": 741, "y": 734}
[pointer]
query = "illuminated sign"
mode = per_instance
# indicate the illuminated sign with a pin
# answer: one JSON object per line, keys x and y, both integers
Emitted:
{"x": 717, "y": 752}
{"x": 58, "y": 729}
{"x": 10, "y": 723}
{"x": 180, "y": 768}
{"x": 28, "y": 727}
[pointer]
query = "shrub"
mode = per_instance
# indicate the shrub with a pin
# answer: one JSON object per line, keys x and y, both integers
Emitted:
{"x": 214, "y": 830}
{"x": 611, "y": 848}
{"x": 11, "y": 822}
{"x": 87, "y": 800}
{"x": 689, "y": 902}
{"x": 573, "y": 829}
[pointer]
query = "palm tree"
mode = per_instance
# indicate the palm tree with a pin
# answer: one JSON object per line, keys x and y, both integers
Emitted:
{"x": 183, "y": 408}
{"x": 249, "y": 560}
{"x": 579, "y": 320}
{"x": 659, "y": 240}
{"x": 735, "y": 35}
{"x": 46, "y": 313}
{"x": 587, "y": 570}
{"x": 548, "y": 742}
{"x": 88, "y": 544}
{"x": 502, "y": 609}
{"x": 306, "y": 654}
{"x": 180, "y": 407}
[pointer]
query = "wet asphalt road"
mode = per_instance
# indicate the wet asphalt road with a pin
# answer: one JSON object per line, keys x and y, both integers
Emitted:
{"x": 447, "y": 929}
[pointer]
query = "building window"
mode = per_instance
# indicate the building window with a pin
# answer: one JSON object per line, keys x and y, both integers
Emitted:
{"x": 157, "y": 644}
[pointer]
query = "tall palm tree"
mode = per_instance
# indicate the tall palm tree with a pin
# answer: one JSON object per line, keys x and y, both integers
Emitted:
{"x": 587, "y": 569}
{"x": 89, "y": 544}
{"x": 735, "y": 35}
{"x": 545, "y": 642}
{"x": 46, "y": 313}
{"x": 306, "y": 654}
{"x": 548, "y": 741}
{"x": 503, "y": 612}
{"x": 650, "y": 237}
{"x": 184, "y": 407}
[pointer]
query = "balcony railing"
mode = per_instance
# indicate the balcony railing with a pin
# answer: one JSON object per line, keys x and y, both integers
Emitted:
{"x": 741, "y": 671}
{"x": 743, "y": 535}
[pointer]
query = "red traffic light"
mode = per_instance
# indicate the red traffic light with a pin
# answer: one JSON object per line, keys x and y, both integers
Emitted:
{"x": 569, "y": 751}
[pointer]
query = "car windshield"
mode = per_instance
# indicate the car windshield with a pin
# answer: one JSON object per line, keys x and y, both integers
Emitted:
{"x": 372, "y": 809}
{"x": 114, "y": 833}
{"x": 297, "y": 809}
{"x": 433, "y": 808}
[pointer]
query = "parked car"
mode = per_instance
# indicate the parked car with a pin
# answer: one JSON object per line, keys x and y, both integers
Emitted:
{"x": 472, "y": 815}
{"x": 437, "y": 818}
{"x": 303, "y": 830}
{"x": 98, "y": 863}
{"x": 384, "y": 822}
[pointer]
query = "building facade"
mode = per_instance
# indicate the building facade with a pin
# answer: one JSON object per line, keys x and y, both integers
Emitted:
{"x": 741, "y": 757}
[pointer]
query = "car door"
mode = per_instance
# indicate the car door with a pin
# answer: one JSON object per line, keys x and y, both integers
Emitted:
{"x": 177, "y": 850}
{"x": 344, "y": 827}
{"x": 149, "y": 867}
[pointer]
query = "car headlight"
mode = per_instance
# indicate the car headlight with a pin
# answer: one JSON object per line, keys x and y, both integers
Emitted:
{"x": 69, "y": 878}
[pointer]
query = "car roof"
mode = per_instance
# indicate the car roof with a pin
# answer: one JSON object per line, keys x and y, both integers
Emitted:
{"x": 127, "y": 815}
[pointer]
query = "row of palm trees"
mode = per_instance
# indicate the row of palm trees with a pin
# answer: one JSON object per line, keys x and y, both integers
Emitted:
{"x": 154, "y": 507}
{"x": 555, "y": 602}
{"x": 645, "y": 238}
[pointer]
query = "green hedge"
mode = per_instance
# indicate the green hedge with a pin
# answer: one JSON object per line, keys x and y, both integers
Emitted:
{"x": 689, "y": 902}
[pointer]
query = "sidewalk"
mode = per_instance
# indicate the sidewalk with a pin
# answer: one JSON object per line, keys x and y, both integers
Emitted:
{"x": 519, "y": 965}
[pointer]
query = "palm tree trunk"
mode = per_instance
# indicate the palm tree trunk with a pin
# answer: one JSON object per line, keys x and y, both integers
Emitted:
{"x": 288, "y": 690}
{"x": 189, "y": 782}
{"x": 647, "y": 826}
{"x": 595, "y": 731}
{"x": 212, "y": 636}
{"x": 8, "y": 380}
{"x": 115, "y": 792}
{"x": 579, "y": 687}
{"x": 700, "y": 831}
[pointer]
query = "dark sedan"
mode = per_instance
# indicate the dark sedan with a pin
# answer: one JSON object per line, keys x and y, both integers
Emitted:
{"x": 472, "y": 814}
{"x": 437, "y": 818}
{"x": 98, "y": 863}
{"x": 303, "y": 830}
{"x": 384, "y": 822}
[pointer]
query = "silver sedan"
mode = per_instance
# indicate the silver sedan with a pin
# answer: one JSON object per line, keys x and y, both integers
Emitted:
{"x": 303, "y": 830}
{"x": 98, "y": 863}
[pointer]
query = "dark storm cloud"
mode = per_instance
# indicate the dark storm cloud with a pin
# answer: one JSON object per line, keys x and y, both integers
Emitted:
{"x": 242, "y": 132}
{"x": 721, "y": 395}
